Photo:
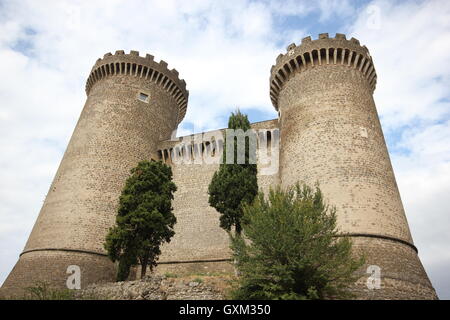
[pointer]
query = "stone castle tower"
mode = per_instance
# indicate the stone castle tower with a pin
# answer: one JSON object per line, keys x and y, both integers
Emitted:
{"x": 330, "y": 133}
{"x": 132, "y": 104}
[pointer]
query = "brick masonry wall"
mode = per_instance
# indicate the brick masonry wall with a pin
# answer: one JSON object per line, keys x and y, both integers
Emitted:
{"x": 51, "y": 267}
{"x": 324, "y": 112}
{"x": 402, "y": 274}
{"x": 198, "y": 235}
{"x": 114, "y": 132}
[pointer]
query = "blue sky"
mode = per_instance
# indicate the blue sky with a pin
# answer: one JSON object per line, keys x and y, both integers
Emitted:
{"x": 224, "y": 51}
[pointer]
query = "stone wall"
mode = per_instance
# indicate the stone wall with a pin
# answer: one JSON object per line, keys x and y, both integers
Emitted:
{"x": 402, "y": 274}
{"x": 157, "y": 287}
{"x": 50, "y": 266}
{"x": 199, "y": 243}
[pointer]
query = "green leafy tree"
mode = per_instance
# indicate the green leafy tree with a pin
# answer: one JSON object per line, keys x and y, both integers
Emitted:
{"x": 291, "y": 249}
{"x": 144, "y": 220}
{"x": 234, "y": 184}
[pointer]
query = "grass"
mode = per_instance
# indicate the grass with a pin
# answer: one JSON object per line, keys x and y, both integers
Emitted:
{"x": 171, "y": 275}
{"x": 42, "y": 291}
{"x": 199, "y": 280}
{"x": 197, "y": 274}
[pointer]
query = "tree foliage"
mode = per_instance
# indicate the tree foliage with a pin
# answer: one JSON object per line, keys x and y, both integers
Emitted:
{"x": 144, "y": 220}
{"x": 291, "y": 248}
{"x": 234, "y": 185}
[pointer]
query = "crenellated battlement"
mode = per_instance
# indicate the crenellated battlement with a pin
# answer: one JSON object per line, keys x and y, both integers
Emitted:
{"x": 320, "y": 52}
{"x": 146, "y": 67}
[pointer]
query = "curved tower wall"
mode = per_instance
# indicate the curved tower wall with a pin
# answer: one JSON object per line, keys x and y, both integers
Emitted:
{"x": 331, "y": 134}
{"x": 115, "y": 131}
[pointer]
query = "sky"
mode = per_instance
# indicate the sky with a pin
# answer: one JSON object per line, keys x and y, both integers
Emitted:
{"x": 224, "y": 51}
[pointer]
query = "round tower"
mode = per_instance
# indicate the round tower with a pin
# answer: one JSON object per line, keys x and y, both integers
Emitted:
{"x": 331, "y": 134}
{"x": 132, "y": 103}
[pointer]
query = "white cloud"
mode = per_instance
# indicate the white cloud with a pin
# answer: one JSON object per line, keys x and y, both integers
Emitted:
{"x": 410, "y": 50}
{"x": 335, "y": 8}
{"x": 224, "y": 50}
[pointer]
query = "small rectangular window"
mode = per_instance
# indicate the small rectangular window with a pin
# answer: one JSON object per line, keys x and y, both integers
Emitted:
{"x": 143, "y": 97}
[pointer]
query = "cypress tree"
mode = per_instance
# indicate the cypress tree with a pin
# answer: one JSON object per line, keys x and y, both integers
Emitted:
{"x": 144, "y": 220}
{"x": 234, "y": 184}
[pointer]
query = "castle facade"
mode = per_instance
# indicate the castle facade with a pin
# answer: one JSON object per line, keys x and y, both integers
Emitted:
{"x": 327, "y": 130}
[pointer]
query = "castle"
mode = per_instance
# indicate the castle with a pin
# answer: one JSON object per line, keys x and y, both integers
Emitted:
{"x": 329, "y": 132}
